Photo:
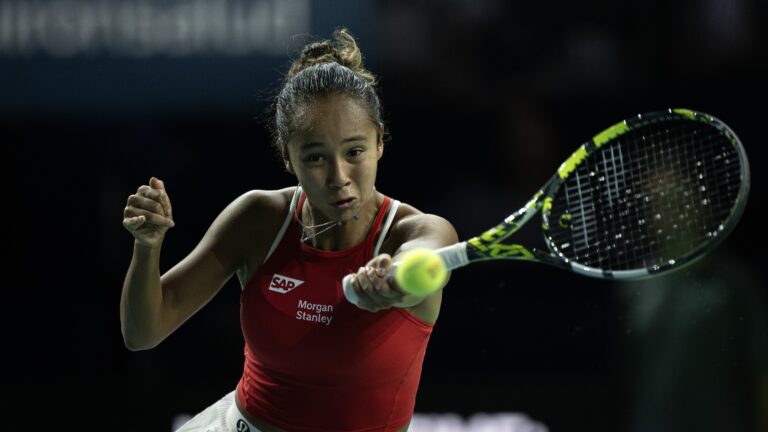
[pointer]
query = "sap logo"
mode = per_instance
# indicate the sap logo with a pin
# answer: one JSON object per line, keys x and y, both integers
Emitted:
{"x": 283, "y": 284}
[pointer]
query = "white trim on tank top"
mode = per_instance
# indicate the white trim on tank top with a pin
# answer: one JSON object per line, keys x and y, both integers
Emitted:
{"x": 292, "y": 208}
{"x": 286, "y": 223}
{"x": 390, "y": 217}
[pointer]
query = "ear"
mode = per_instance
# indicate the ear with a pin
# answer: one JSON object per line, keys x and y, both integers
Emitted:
{"x": 380, "y": 141}
{"x": 286, "y": 157}
{"x": 289, "y": 165}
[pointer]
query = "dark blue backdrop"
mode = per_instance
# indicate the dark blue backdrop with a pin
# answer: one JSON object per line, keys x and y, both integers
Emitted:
{"x": 483, "y": 101}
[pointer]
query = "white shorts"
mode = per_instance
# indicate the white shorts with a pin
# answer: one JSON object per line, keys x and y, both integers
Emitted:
{"x": 223, "y": 416}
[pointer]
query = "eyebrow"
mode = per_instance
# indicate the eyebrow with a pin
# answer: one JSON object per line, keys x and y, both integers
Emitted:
{"x": 313, "y": 144}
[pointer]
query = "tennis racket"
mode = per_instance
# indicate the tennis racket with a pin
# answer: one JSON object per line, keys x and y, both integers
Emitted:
{"x": 645, "y": 196}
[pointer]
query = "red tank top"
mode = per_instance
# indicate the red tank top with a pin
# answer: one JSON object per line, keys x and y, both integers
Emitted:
{"x": 315, "y": 362}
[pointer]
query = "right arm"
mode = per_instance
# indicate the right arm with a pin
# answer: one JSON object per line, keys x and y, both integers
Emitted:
{"x": 154, "y": 306}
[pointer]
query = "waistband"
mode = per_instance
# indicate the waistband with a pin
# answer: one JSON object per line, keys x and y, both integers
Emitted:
{"x": 237, "y": 421}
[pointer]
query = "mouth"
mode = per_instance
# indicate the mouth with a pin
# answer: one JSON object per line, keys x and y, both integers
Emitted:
{"x": 345, "y": 203}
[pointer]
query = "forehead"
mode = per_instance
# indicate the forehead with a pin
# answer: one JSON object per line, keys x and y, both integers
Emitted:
{"x": 333, "y": 115}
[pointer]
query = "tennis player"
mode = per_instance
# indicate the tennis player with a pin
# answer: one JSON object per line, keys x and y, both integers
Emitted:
{"x": 313, "y": 362}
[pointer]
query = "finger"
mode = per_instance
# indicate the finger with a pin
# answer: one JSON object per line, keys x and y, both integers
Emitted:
{"x": 380, "y": 286}
{"x": 383, "y": 264}
{"x": 378, "y": 283}
{"x": 362, "y": 279}
{"x": 156, "y": 183}
{"x": 363, "y": 301}
{"x": 386, "y": 269}
{"x": 159, "y": 186}
{"x": 166, "y": 203}
{"x": 150, "y": 217}
{"x": 383, "y": 283}
{"x": 159, "y": 196}
{"x": 381, "y": 294}
{"x": 366, "y": 290}
{"x": 148, "y": 192}
{"x": 144, "y": 203}
{"x": 133, "y": 223}
{"x": 354, "y": 284}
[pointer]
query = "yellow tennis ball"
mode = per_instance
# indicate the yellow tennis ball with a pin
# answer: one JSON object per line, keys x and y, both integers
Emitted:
{"x": 421, "y": 272}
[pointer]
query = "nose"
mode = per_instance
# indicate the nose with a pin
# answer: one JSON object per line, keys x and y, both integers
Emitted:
{"x": 338, "y": 177}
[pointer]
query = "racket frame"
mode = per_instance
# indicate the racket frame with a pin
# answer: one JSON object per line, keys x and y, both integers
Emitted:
{"x": 489, "y": 245}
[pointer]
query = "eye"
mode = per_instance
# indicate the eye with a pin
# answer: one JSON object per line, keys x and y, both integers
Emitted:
{"x": 356, "y": 152}
{"x": 315, "y": 157}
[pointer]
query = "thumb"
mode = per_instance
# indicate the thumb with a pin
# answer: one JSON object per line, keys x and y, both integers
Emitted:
{"x": 383, "y": 265}
{"x": 156, "y": 183}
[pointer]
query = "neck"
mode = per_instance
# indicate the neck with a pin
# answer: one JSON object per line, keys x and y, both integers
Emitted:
{"x": 338, "y": 235}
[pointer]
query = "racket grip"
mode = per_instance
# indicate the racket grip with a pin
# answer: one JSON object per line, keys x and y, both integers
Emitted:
{"x": 454, "y": 256}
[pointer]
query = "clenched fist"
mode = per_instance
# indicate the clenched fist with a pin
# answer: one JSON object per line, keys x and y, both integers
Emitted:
{"x": 148, "y": 214}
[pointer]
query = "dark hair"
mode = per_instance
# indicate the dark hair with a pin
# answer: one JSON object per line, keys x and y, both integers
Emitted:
{"x": 323, "y": 68}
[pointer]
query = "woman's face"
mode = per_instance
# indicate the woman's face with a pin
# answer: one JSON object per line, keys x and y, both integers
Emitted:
{"x": 334, "y": 154}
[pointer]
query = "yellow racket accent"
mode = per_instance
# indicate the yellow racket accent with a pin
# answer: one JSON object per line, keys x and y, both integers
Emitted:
{"x": 610, "y": 133}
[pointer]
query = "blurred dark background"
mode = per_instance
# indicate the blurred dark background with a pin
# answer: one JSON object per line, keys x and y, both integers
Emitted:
{"x": 483, "y": 100}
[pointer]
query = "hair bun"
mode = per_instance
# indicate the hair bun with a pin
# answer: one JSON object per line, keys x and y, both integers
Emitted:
{"x": 317, "y": 51}
{"x": 342, "y": 49}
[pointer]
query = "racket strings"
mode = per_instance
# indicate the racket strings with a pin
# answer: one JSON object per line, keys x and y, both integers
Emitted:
{"x": 676, "y": 196}
{"x": 647, "y": 198}
{"x": 668, "y": 202}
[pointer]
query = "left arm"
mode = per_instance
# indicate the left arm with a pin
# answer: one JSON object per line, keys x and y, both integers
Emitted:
{"x": 372, "y": 283}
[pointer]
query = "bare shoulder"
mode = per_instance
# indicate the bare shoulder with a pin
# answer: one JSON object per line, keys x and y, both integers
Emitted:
{"x": 413, "y": 228}
{"x": 259, "y": 202}
{"x": 253, "y": 206}
{"x": 247, "y": 223}
{"x": 413, "y": 225}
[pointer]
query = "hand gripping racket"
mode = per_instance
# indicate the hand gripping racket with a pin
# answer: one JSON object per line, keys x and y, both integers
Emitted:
{"x": 646, "y": 196}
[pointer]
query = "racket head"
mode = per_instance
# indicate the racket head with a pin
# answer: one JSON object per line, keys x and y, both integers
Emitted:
{"x": 647, "y": 195}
